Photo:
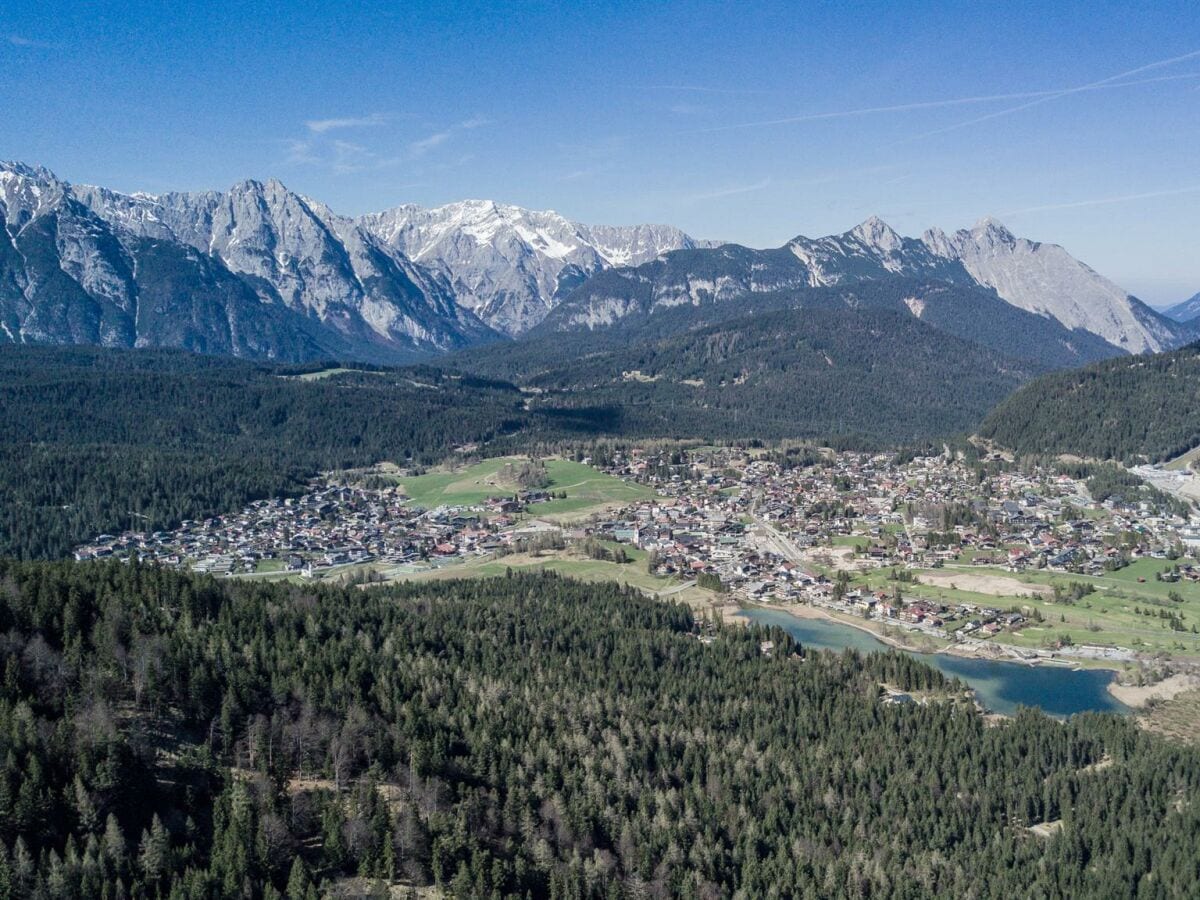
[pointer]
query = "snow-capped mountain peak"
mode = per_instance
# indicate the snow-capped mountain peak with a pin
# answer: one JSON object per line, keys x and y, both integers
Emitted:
{"x": 510, "y": 264}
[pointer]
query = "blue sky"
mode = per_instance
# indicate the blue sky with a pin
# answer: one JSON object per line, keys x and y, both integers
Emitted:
{"x": 1073, "y": 123}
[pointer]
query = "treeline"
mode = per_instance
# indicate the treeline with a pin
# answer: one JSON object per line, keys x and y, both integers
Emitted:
{"x": 167, "y": 735}
{"x": 1131, "y": 409}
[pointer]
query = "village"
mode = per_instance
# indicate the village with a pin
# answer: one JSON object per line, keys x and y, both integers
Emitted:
{"x": 928, "y": 546}
{"x": 333, "y": 526}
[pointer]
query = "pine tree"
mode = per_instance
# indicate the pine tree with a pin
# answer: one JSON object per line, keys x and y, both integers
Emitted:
{"x": 298, "y": 883}
{"x": 154, "y": 851}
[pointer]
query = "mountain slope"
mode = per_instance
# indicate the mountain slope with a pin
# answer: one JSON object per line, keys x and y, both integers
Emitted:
{"x": 965, "y": 311}
{"x": 1143, "y": 408}
{"x": 257, "y": 271}
{"x": 297, "y": 253}
{"x": 1039, "y": 278}
{"x": 511, "y": 265}
{"x": 1186, "y": 310}
{"x": 1045, "y": 279}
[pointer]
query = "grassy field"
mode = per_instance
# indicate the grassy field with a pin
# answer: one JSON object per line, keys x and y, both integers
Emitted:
{"x": 574, "y": 565}
{"x": 851, "y": 540}
{"x": 587, "y": 489}
{"x": 329, "y": 373}
{"x": 1184, "y": 460}
{"x": 1107, "y": 616}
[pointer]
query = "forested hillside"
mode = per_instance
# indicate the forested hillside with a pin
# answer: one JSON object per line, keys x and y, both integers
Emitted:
{"x": 872, "y": 374}
{"x": 969, "y": 312}
{"x": 530, "y": 737}
{"x": 1142, "y": 408}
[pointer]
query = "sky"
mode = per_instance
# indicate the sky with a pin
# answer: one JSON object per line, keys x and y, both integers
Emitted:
{"x": 1077, "y": 124}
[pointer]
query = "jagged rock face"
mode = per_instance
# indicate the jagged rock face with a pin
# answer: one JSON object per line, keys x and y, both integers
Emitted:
{"x": 255, "y": 271}
{"x": 1040, "y": 278}
{"x": 302, "y": 255}
{"x": 512, "y": 265}
{"x": 1046, "y": 279}
{"x": 872, "y": 250}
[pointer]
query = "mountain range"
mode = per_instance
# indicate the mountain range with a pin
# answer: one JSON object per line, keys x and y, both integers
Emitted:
{"x": 1040, "y": 278}
{"x": 259, "y": 271}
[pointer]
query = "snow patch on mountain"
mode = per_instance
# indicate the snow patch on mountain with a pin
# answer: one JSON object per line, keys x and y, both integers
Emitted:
{"x": 511, "y": 265}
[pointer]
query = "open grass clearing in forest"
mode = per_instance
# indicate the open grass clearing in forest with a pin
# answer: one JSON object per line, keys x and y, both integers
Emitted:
{"x": 571, "y": 564}
{"x": 1177, "y": 717}
{"x": 1184, "y": 460}
{"x": 329, "y": 373}
{"x": 586, "y": 488}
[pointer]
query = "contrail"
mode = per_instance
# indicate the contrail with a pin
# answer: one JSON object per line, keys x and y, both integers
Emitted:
{"x": 702, "y": 89}
{"x": 732, "y": 191}
{"x": 1103, "y": 201}
{"x": 936, "y": 104}
{"x": 1095, "y": 85}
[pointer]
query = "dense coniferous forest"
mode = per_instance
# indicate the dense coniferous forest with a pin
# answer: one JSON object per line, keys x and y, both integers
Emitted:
{"x": 529, "y": 736}
{"x": 1132, "y": 409}
{"x": 799, "y": 373}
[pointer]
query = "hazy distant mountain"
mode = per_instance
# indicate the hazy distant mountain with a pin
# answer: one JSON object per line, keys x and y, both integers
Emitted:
{"x": 512, "y": 265}
{"x": 1040, "y": 278}
{"x": 1185, "y": 311}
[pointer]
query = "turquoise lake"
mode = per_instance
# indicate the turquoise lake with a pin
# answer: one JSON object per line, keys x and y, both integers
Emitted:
{"x": 1000, "y": 686}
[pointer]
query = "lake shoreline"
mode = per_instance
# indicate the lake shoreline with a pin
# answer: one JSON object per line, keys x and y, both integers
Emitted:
{"x": 998, "y": 685}
{"x": 1139, "y": 696}
{"x": 978, "y": 650}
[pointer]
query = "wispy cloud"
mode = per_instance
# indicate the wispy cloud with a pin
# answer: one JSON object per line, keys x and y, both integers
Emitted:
{"x": 322, "y": 146}
{"x": 1036, "y": 96}
{"x": 425, "y": 144}
{"x": 320, "y": 126}
{"x": 18, "y": 40}
{"x": 1105, "y": 201}
{"x": 1112, "y": 81}
{"x": 420, "y": 147}
{"x": 300, "y": 153}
